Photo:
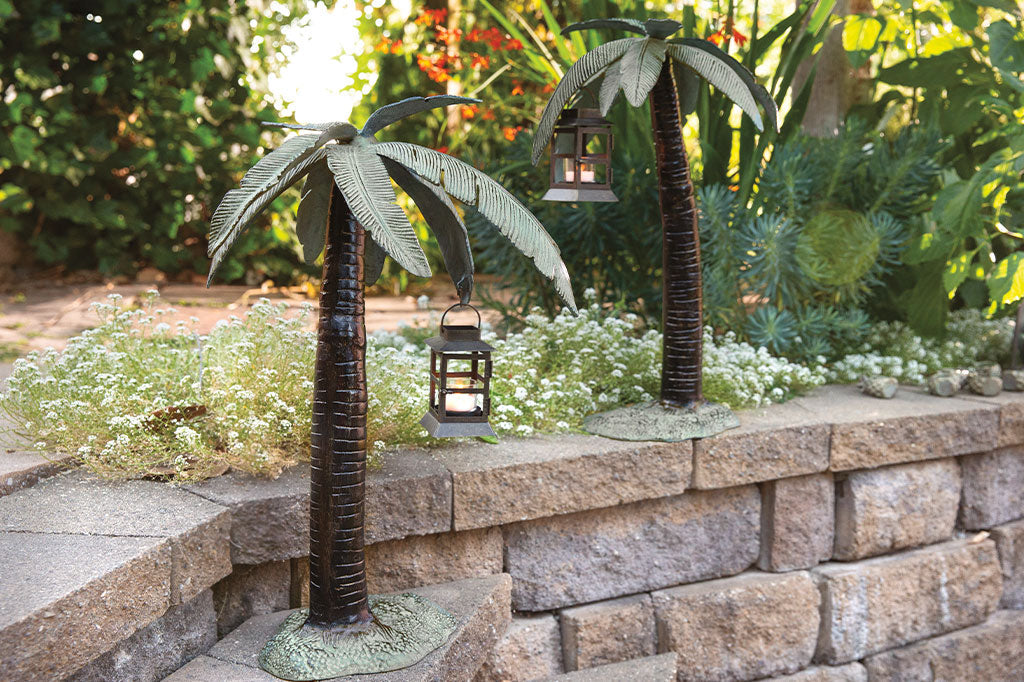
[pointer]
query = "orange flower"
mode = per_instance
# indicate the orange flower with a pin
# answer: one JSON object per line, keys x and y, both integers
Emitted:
{"x": 740, "y": 39}
{"x": 469, "y": 112}
{"x": 549, "y": 87}
{"x": 510, "y": 133}
{"x": 448, "y": 37}
{"x": 718, "y": 37}
{"x": 488, "y": 115}
{"x": 443, "y": 149}
{"x": 479, "y": 61}
{"x": 513, "y": 45}
{"x": 517, "y": 88}
{"x": 432, "y": 16}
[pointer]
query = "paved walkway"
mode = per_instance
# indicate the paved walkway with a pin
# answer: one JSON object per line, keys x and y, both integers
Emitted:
{"x": 46, "y": 314}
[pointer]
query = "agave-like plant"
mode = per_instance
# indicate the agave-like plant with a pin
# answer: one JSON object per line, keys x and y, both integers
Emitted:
{"x": 348, "y": 211}
{"x": 642, "y": 67}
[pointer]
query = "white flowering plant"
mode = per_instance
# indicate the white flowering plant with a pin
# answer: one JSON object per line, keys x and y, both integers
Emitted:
{"x": 136, "y": 396}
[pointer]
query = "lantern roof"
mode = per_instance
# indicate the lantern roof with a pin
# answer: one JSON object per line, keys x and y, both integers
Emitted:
{"x": 457, "y": 338}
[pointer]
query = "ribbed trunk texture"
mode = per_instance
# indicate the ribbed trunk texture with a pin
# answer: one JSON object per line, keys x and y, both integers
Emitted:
{"x": 682, "y": 321}
{"x": 337, "y": 569}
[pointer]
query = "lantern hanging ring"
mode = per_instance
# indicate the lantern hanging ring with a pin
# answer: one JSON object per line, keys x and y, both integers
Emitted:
{"x": 479, "y": 320}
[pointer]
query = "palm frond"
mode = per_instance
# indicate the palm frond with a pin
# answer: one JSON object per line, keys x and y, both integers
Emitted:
{"x": 610, "y": 87}
{"x": 640, "y": 68}
{"x": 727, "y": 75}
{"x": 261, "y": 185}
{"x": 389, "y": 113}
{"x": 585, "y": 68}
{"x": 631, "y": 25}
{"x": 373, "y": 261}
{"x": 443, "y": 219}
{"x": 363, "y": 180}
{"x": 314, "y": 208}
{"x": 661, "y": 28}
{"x": 300, "y": 126}
{"x": 494, "y": 203}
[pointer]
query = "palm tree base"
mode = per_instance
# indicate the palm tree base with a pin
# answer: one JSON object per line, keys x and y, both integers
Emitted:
{"x": 405, "y": 628}
{"x": 657, "y": 421}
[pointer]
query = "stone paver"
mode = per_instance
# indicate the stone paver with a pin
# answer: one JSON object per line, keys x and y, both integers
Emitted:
{"x": 77, "y": 503}
{"x": 530, "y": 650}
{"x": 992, "y": 488}
{"x": 578, "y": 558}
{"x": 778, "y": 442}
{"x": 913, "y": 426}
{"x": 907, "y": 505}
{"x": 1010, "y": 545}
{"x": 1011, "y": 416}
{"x": 608, "y": 632}
{"x": 432, "y": 559}
{"x": 992, "y": 651}
{"x": 881, "y": 603}
{"x": 651, "y": 669}
{"x": 797, "y": 522}
{"x": 24, "y": 469}
{"x": 251, "y": 591}
{"x": 545, "y": 476}
{"x": 410, "y": 495}
{"x": 851, "y": 672}
{"x": 92, "y": 591}
{"x": 160, "y": 648}
{"x": 741, "y": 628}
{"x": 480, "y": 606}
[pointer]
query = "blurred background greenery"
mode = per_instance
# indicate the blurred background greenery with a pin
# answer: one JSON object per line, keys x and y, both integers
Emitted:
{"x": 892, "y": 191}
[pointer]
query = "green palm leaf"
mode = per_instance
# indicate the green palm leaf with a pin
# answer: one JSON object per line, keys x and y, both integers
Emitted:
{"x": 727, "y": 75}
{"x": 363, "y": 180}
{"x": 610, "y": 87}
{"x": 373, "y": 261}
{"x": 390, "y": 113}
{"x": 261, "y": 185}
{"x": 640, "y": 68}
{"x": 585, "y": 68}
{"x": 314, "y": 207}
{"x": 441, "y": 215}
{"x": 494, "y": 202}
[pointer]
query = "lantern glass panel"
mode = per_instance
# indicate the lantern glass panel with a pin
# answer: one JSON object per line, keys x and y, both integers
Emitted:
{"x": 596, "y": 173}
{"x": 595, "y": 143}
{"x": 565, "y": 170}
{"x": 565, "y": 142}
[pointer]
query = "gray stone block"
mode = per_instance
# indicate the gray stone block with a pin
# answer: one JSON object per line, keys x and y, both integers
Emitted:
{"x": 741, "y": 628}
{"x": 77, "y": 503}
{"x": 608, "y": 632}
{"x": 481, "y": 607}
{"x": 992, "y": 651}
{"x": 881, "y": 603}
{"x": 540, "y": 477}
{"x": 774, "y": 442}
{"x": 851, "y": 672}
{"x": 660, "y": 668}
{"x": 432, "y": 559}
{"x": 251, "y": 591}
{"x": 1010, "y": 545}
{"x": 21, "y": 469}
{"x": 530, "y": 650}
{"x": 797, "y": 522}
{"x": 409, "y": 495}
{"x": 913, "y": 426}
{"x": 1011, "y": 416}
{"x": 993, "y": 485}
{"x": 589, "y": 556}
{"x": 908, "y": 505}
{"x": 66, "y": 599}
{"x": 160, "y": 648}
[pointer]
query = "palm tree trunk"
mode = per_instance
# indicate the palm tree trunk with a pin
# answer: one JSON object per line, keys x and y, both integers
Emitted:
{"x": 682, "y": 321}
{"x": 337, "y": 569}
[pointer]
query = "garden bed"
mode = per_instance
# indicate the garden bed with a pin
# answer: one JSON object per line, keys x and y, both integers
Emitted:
{"x": 600, "y": 539}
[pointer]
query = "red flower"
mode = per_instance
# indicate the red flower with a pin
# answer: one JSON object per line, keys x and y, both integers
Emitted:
{"x": 517, "y": 88}
{"x": 513, "y": 45}
{"x": 718, "y": 37}
{"x": 432, "y": 16}
{"x": 740, "y": 39}
{"x": 479, "y": 61}
{"x": 488, "y": 115}
{"x": 469, "y": 112}
{"x": 510, "y": 133}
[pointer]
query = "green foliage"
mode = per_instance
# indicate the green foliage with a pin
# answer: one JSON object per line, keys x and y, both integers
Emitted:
{"x": 120, "y": 127}
{"x": 793, "y": 268}
{"x": 102, "y": 397}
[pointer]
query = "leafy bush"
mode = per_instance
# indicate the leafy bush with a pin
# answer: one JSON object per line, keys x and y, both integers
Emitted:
{"x": 122, "y": 396}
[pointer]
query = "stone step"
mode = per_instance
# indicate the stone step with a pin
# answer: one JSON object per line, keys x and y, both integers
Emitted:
{"x": 661, "y": 668}
{"x": 481, "y": 606}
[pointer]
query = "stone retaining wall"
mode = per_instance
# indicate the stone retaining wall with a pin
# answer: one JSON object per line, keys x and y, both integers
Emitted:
{"x": 835, "y": 537}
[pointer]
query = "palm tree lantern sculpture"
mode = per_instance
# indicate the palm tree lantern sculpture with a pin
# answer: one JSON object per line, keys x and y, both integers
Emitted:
{"x": 642, "y": 67}
{"x": 460, "y": 399}
{"x": 581, "y": 168}
{"x": 348, "y": 211}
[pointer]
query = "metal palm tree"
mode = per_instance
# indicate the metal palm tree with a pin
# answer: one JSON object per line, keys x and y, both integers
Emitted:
{"x": 642, "y": 67}
{"x": 348, "y": 211}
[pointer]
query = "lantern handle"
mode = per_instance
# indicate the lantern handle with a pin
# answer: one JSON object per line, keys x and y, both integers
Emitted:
{"x": 479, "y": 321}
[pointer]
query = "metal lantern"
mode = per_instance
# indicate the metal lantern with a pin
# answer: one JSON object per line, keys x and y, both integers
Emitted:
{"x": 581, "y": 167}
{"x": 460, "y": 381}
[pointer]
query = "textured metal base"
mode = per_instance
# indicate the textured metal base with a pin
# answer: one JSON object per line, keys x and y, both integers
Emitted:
{"x": 654, "y": 421}
{"x": 405, "y": 629}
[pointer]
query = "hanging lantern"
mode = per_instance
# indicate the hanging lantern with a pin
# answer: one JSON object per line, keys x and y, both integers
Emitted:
{"x": 460, "y": 381}
{"x": 581, "y": 166}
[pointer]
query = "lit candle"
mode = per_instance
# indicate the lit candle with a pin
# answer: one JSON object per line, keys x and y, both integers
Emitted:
{"x": 586, "y": 174}
{"x": 461, "y": 403}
